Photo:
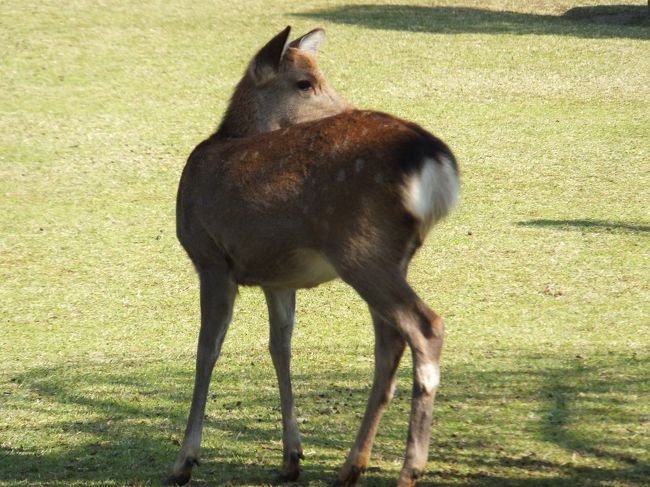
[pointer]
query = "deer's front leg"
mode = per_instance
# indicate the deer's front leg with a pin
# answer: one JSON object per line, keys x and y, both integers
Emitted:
{"x": 218, "y": 292}
{"x": 281, "y": 305}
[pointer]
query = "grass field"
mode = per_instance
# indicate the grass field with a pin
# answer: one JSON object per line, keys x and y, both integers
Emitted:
{"x": 542, "y": 273}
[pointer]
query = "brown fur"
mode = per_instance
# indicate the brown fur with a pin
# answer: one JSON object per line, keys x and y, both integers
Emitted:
{"x": 304, "y": 185}
{"x": 294, "y": 189}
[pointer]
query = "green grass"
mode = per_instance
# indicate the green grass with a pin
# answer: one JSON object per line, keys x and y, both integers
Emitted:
{"x": 542, "y": 273}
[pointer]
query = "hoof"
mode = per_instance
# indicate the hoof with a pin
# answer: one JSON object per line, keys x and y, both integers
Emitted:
{"x": 178, "y": 479}
{"x": 349, "y": 478}
{"x": 184, "y": 475}
{"x": 291, "y": 468}
{"x": 408, "y": 478}
{"x": 283, "y": 476}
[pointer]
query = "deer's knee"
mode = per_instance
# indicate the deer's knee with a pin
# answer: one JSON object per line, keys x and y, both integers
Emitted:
{"x": 432, "y": 325}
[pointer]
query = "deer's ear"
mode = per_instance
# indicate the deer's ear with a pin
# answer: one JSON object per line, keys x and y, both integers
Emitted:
{"x": 310, "y": 42}
{"x": 266, "y": 62}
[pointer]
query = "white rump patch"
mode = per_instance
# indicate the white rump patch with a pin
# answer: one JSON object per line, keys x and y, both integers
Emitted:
{"x": 430, "y": 193}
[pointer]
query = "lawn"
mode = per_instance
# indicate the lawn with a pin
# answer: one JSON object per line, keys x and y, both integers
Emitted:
{"x": 542, "y": 273}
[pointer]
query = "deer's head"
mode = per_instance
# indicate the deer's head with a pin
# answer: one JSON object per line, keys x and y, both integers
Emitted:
{"x": 282, "y": 86}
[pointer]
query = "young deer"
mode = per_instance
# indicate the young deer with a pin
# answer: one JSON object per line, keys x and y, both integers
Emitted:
{"x": 297, "y": 188}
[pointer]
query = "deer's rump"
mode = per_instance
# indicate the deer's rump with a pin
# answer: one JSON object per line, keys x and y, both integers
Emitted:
{"x": 272, "y": 202}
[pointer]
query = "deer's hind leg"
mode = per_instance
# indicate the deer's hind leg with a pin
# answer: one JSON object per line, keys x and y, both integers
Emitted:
{"x": 218, "y": 291}
{"x": 282, "y": 305}
{"x": 389, "y": 347}
{"x": 390, "y": 296}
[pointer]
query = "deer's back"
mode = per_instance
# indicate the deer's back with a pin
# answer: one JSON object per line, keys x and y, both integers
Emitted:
{"x": 312, "y": 187}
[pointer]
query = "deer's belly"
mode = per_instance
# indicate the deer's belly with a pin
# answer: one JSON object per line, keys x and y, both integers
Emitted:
{"x": 304, "y": 268}
{"x": 312, "y": 269}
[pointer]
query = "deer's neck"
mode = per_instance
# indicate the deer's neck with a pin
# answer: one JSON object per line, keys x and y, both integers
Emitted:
{"x": 240, "y": 119}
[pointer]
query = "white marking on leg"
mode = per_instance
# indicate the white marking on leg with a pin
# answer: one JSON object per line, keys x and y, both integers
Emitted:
{"x": 427, "y": 376}
{"x": 391, "y": 389}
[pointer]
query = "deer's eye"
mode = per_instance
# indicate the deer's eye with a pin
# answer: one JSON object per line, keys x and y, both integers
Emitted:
{"x": 304, "y": 85}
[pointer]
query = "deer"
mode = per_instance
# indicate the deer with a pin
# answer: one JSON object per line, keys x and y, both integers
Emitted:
{"x": 294, "y": 189}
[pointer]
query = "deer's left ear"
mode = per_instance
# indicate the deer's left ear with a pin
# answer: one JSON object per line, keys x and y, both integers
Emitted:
{"x": 266, "y": 62}
{"x": 310, "y": 42}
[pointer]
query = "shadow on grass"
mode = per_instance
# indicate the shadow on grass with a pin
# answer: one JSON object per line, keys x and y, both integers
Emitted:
{"x": 567, "y": 397}
{"x": 616, "y": 21}
{"x": 125, "y": 426}
{"x": 588, "y": 225}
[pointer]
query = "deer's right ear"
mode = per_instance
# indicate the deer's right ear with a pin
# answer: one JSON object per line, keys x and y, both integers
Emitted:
{"x": 266, "y": 62}
{"x": 310, "y": 42}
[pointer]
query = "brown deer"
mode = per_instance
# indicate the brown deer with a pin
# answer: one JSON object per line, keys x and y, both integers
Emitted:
{"x": 296, "y": 188}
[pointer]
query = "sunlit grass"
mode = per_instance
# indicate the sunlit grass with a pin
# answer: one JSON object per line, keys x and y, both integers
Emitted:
{"x": 542, "y": 273}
